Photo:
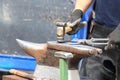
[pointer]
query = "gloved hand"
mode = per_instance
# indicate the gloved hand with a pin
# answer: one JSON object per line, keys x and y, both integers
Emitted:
{"x": 114, "y": 38}
{"x": 76, "y": 14}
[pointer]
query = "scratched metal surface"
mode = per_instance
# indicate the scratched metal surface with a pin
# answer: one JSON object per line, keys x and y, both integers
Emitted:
{"x": 31, "y": 20}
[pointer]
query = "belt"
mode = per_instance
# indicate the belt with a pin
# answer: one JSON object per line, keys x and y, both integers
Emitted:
{"x": 101, "y": 30}
{"x": 104, "y": 26}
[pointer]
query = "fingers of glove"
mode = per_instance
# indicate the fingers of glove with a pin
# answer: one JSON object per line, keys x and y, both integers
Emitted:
{"x": 76, "y": 15}
{"x": 74, "y": 21}
{"x": 73, "y": 31}
{"x": 76, "y": 28}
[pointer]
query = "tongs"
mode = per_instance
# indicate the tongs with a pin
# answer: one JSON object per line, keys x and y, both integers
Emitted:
{"x": 93, "y": 41}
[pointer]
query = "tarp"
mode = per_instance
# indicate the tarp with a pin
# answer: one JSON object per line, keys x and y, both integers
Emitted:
{"x": 17, "y": 62}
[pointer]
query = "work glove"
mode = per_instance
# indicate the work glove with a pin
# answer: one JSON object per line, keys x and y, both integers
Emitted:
{"x": 114, "y": 39}
{"x": 76, "y": 14}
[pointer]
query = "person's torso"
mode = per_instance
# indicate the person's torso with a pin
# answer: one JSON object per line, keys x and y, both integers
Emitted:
{"x": 107, "y": 12}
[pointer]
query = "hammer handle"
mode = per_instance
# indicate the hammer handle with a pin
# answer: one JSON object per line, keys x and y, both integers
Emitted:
{"x": 68, "y": 28}
{"x": 22, "y": 74}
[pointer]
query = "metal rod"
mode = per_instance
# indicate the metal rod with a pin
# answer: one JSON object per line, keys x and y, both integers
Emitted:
{"x": 99, "y": 39}
{"x": 98, "y": 44}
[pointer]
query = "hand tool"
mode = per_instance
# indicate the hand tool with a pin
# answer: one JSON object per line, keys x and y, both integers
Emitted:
{"x": 63, "y": 63}
{"x": 93, "y": 41}
{"x": 67, "y": 72}
{"x": 19, "y": 73}
{"x": 13, "y": 77}
{"x": 64, "y": 27}
{"x": 22, "y": 74}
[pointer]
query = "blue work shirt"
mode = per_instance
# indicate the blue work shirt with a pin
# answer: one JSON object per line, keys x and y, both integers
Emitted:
{"x": 107, "y": 12}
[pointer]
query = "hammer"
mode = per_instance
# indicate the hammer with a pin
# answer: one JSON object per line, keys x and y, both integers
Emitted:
{"x": 64, "y": 27}
{"x": 63, "y": 63}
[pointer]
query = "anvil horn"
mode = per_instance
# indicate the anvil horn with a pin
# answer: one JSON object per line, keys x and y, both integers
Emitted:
{"x": 35, "y": 50}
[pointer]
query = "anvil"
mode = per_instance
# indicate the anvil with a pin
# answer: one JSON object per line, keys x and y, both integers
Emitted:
{"x": 48, "y": 64}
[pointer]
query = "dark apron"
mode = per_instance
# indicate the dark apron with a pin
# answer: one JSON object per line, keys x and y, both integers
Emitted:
{"x": 104, "y": 66}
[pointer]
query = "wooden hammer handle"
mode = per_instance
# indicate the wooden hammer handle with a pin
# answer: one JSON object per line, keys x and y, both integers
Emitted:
{"x": 22, "y": 74}
{"x": 68, "y": 28}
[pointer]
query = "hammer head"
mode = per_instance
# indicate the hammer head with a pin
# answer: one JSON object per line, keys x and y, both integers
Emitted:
{"x": 65, "y": 27}
{"x": 60, "y": 31}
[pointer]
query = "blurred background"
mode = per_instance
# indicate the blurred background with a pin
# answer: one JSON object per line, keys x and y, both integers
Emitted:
{"x": 30, "y": 20}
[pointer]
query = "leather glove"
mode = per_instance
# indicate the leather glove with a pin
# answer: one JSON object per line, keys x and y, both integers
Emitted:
{"x": 114, "y": 38}
{"x": 76, "y": 14}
